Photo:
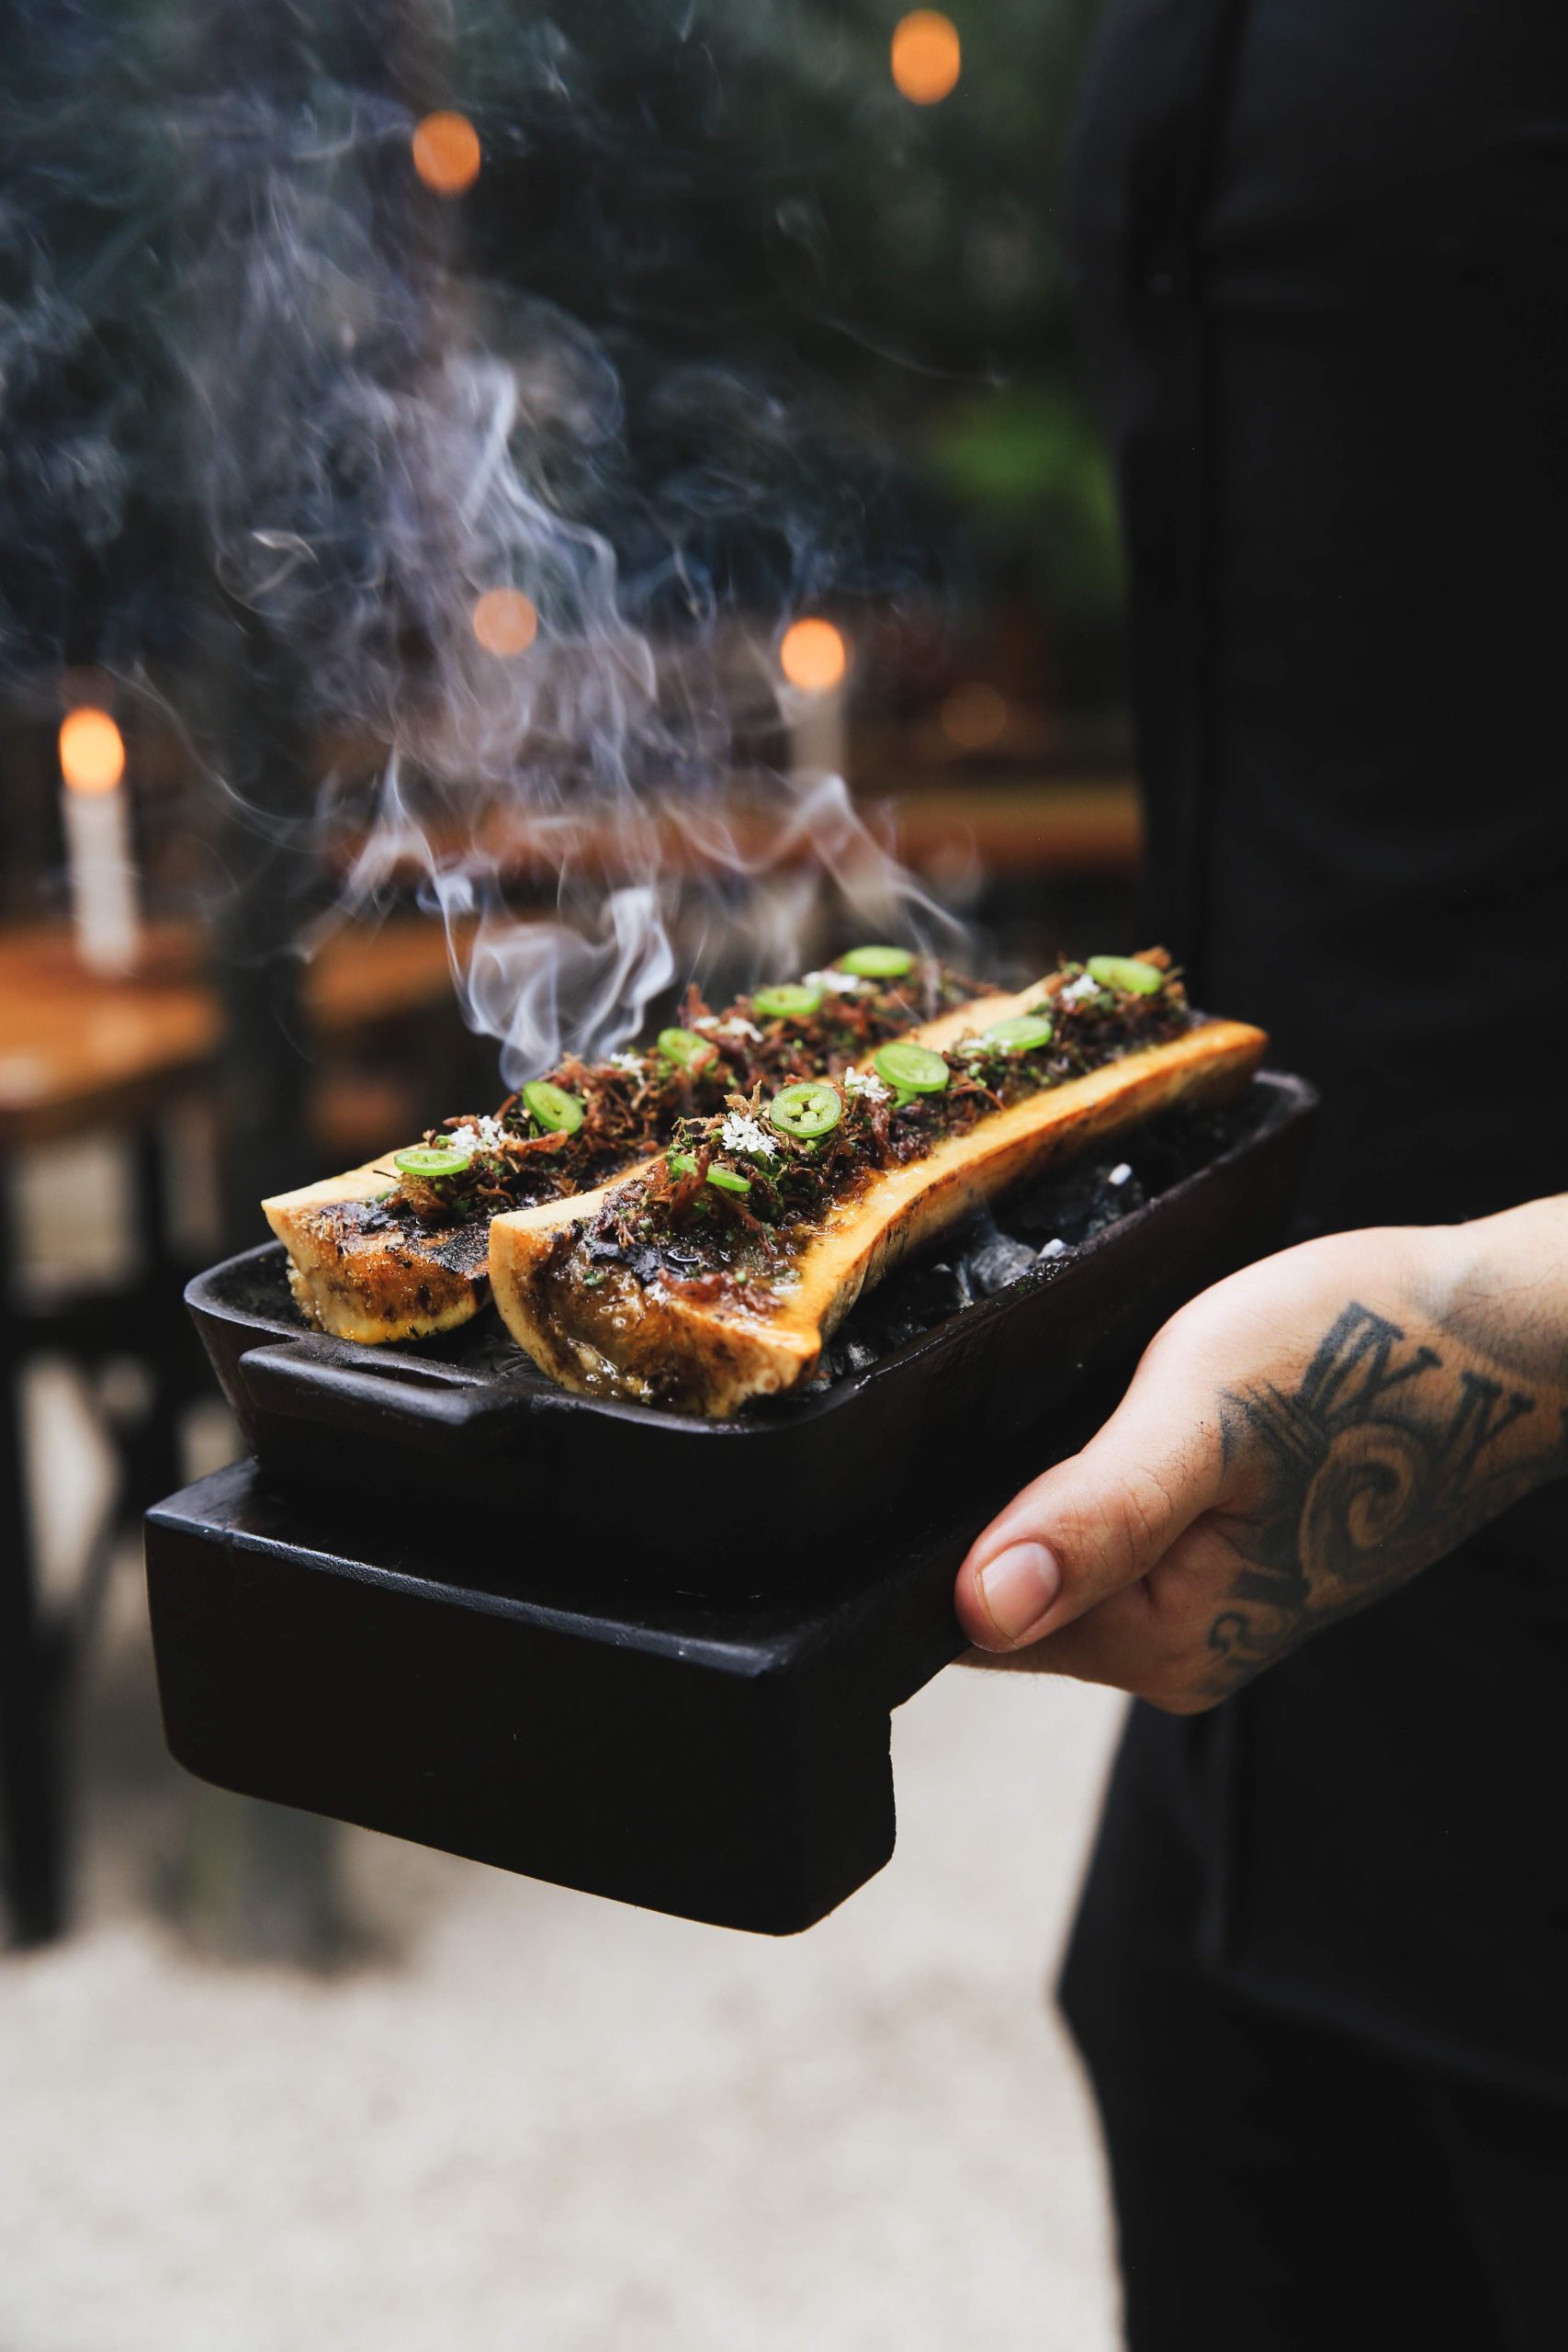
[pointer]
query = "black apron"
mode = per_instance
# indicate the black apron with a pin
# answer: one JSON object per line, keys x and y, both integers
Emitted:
{"x": 1321, "y": 254}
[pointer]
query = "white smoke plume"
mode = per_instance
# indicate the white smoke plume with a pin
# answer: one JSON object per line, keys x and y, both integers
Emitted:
{"x": 377, "y": 438}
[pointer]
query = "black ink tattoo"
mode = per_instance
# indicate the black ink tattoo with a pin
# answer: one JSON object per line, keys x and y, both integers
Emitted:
{"x": 1381, "y": 1460}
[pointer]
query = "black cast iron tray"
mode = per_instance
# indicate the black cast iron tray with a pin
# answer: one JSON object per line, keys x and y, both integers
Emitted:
{"x": 464, "y": 1431}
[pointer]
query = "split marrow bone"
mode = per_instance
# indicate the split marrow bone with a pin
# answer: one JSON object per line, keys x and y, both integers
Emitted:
{"x": 657, "y": 1346}
{"x": 374, "y": 1282}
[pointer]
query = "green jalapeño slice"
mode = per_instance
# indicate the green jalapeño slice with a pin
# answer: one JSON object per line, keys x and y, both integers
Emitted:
{"x": 723, "y": 1180}
{"x": 558, "y": 1112}
{"x": 682, "y": 1046}
{"x": 790, "y": 1000}
{"x": 431, "y": 1161}
{"x": 913, "y": 1069}
{"x": 878, "y": 963}
{"x": 1127, "y": 973}
{"x": 1024, "y": 1033}
{"x": 807, "y": 1110}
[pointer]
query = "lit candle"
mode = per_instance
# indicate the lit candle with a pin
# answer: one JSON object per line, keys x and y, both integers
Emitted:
{"x": 98, "y": 839}
{"x": 815, "y": 662}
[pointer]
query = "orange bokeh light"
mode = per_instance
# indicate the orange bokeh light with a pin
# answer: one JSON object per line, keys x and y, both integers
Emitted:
{"x": 447, "y": 153}
{"x": 814, "y": 656}
{"x": 92, "y": 751}
{"x": 928, "y": 57}
{"x": 505, "y": 622}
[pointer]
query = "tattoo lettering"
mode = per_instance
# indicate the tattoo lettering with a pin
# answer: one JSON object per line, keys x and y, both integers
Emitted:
{"x": 1381, "y": 1460}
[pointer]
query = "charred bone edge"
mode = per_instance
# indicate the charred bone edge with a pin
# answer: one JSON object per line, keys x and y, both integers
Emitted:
{"x": 381, "y": 1286}
{"x": 714, "y": 1359}
{"x": 394, "y": 1285}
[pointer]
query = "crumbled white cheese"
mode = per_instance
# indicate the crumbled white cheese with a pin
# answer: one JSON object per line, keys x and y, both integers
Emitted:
{"x": 837, "y": 983}
{"x": 739, "y": 1028}
{"x": 972, "y": 1046}
{"x": 706, "y": 1021}
{"x": 630, "y": 1062}
{"x": 1058, "y": 1248}
{"x": 478, "y": 1135}
{"x": 1078, "y": 992}
{"x": 740, "y": 1133}
{"x": 865, "y": 1083}
{"x": 1120, "y": 1175}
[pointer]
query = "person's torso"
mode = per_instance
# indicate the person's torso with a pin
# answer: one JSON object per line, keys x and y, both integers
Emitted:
{"x": 1322, "y": 248}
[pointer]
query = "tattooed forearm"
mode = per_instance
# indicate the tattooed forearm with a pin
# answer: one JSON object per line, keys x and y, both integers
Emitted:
{"x": 1384, "y": 1457}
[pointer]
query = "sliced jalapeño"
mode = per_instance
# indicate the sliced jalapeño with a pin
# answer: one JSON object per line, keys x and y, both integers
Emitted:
{"x": 878, "y": 963}
{"x": 806, "y": 1110}
{"x": 1128, "y": 973}
{"x": 910, "y": 1069}
{"x": 682, "y": 1046}
{"x": 789, "y": 1001}
{"x": 558, "y": 1112}
{"x": 431, "y": 1161}
{"x": 1024, "y": 1033}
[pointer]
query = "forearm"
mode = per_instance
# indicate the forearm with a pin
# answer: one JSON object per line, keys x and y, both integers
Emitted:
{"x": 1500, "y": 1289}
{"x": 1297, "y": 1442}
{"x": 1436, "y": 1397}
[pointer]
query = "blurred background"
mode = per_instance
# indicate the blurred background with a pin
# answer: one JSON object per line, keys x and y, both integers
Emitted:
{"x": 377, "y": 379}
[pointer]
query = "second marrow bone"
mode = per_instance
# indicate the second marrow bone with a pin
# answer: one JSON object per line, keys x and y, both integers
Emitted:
{"x": 657, "y": 1346}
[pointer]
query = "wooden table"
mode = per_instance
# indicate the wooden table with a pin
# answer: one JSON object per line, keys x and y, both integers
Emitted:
{"x": 80, "y": 1053}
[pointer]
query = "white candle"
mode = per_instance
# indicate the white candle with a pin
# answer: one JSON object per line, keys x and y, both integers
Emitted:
{"x": 815, "y": 660}
{"x": 98, "y": 839}
{"x": 818, "y": 736}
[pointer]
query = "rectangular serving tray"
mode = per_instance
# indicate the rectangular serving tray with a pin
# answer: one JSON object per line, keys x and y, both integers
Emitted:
{"x": 466, "y": 1435}
{"x": 539, "y": 1711}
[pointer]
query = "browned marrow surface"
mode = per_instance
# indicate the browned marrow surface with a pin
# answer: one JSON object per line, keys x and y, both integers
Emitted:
{"x": 363, "y": 1275}
{"x": 617, "y": 1339}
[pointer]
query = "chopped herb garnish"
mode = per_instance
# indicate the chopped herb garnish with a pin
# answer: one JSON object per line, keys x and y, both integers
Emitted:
{"x": 788, "y": 1157}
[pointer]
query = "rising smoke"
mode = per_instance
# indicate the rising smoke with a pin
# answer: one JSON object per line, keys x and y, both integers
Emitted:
{"x": 370, "y": 430}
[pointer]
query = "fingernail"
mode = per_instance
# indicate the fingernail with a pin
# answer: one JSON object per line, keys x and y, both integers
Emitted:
{"x": 1017, "y": 1587}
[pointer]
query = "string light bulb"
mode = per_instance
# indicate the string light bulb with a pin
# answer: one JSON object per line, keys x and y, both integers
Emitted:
{"x": 928, "y": 57}
{"x": 447, "y": 153}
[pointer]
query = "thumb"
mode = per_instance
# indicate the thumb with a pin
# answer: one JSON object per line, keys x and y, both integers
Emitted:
{"x": 1096, "y": 1522}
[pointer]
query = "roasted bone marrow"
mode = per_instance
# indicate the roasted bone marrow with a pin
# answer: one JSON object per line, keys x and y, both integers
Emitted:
{"x": 715, "y": 1274}
{"x": 397, "y": 1249}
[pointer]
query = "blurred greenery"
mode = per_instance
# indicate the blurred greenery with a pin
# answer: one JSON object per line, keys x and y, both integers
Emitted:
{"x": 729, "y": 182}
{"x": 1027, "y": 466}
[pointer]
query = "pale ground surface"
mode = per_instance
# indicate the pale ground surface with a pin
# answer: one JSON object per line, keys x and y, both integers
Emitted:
{"x": 523, "y": 2121}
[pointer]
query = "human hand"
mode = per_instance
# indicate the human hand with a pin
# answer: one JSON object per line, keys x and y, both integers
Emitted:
{"x": 1297, "y": 1441}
